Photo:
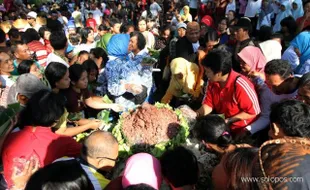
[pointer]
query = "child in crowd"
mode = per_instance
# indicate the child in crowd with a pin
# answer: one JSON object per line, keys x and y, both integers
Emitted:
{"x": 29, "y": 66}
{"x": 78, "y": 96}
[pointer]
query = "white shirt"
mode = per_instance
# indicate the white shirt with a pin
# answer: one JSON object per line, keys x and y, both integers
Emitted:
{"x": 230, "y": 7}
{"x": 155, "y": 9}
{"x": 83, "y": 47}
{"x": 52, "y": 57}
{"x": 193, "y": 4}
{"x": 252, "y": 8}
{"x": 196, "y": 46}
{"x": 97, "y": 15}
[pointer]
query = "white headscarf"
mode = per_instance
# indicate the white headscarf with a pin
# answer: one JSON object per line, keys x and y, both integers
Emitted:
{"x": 271, "y": 49}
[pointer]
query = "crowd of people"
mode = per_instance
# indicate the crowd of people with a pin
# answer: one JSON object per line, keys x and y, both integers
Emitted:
{"x": 241, "y": 67}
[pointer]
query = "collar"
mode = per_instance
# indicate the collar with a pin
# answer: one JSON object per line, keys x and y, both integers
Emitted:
{"x": 231, "y": 79}
{"x": 84, "y": 162}
{"x": 38, "y": 129}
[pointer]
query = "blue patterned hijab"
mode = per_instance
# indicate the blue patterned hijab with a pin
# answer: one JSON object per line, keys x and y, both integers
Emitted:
{"x": 118, "y": 46}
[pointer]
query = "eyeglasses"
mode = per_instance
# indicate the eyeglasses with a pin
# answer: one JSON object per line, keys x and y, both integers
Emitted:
{"x": 107, "y": 158}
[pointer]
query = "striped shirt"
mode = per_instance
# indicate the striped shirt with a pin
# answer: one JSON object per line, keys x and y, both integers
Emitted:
{"x": 40, "y": 51}
{"x": 237, "y": 96}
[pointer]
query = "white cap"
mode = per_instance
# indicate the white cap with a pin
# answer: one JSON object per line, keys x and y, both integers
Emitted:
{"x": 32, "y": 14}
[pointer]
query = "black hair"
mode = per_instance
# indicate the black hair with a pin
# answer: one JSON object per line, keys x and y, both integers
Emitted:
{"x": 82, "y": 53}
{"x": 15, "y": 45}
{"x": 13, "y": 33}
{"x": 213, "y": 129}
{"x": 238, "y": 164}
{"x": 42, "y": 30}
{"x": 90, "y": 13}
{"x": 140, "y": 39}
{"x": 291, "y": 25}
{"x": 304, "y": 3}
{"x": 304, "y": 81}
{"x": 84, "y": 34}
{"x": 125, "y": 28}
{"x": 99, "y": 52}
{"x": 141, "y": 186}
{"x": 74, "y": 38}
{"x": 179, "y": 166}
{"x": 90, "y": 65}
{"x": 54, "y": 72}
{"x": 218, "y": 61}
{"x": 75, "y": 72}
{"x": 58, "y": 40}
{"x": 31, "y": 35}
{"x": 211, "y": 35}
{"x": 264, "y": 33}
{"x": 44, "y": 108}
{"x": 277, "y": 35}
{"x": 114, "y": 21}
{"x": 103, "y": 27}
{"x": 292, "y": 116}
{"x": 61, "y": 175}
{"x": 24, "y": 66}
{"x": 279, "y": 67}
{"x": 2, "y": 36}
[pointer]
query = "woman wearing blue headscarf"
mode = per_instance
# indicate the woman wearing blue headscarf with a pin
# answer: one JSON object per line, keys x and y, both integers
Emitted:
{"x": 297, "y": 9}
{"x": 298, "y": 54}
{"x": 284, "y": 12}
{"x": 117, "y": 50}
{"x": 115, "y": 76}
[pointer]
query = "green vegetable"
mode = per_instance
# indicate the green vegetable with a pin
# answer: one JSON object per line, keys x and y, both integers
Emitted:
{"x": 104, "y": 116}
{"x": 107, "y": 100}
{"x": 157, "y": 150}
{"x": 81, "y": 136}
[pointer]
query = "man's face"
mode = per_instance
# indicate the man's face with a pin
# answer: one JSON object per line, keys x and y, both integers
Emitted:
{"x": 304, "y": 95}
{"x": 211, "y": 76}
{"x": 193, "y": 35}
{"x": 116, "y": 28}
{"x": 240, "y": 34}
{"x": 30, "y": 20}
{"x": 181, "y": 32}
{"x": 6, "y": 64}
{"x": 131, "y": 29}
{"x": 222, "y": 26}
{"x": 133, "y": 44}
{"x": 142, "y": 26}
{"x": 23, "y": 52}
{"x": 276, "y": 84}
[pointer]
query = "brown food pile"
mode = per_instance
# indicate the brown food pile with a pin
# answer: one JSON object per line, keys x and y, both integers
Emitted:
{"x": 150, "y": 125}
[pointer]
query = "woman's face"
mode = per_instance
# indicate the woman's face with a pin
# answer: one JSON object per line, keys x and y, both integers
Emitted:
{"x": 244, "y": 67}
{"x": 230, "y": 15}
{"x": 166, "y": 34}
{"x": 307, "y": 8}
{"x": 222, "y": 27}
{"x": 35, "y": 71}
{"x": 82, "y": 82}
{"x": 181, "y": 32}
{"x": 295, "y": 6}
{"x": 142, "y": 26}
{"x": 211, "y": 44}
{"x": 64, "y": 83}
{"x": 92, "y": 75}
{"x": 185, "y": 11}
{"x": 304, "y": 95}
{"x": 6, "y": 64}
{"x": 91, "y": 37}
{"x": 219, "y": 175}
{"x": 282, "y": 8}
{"x": 150, "y": 25}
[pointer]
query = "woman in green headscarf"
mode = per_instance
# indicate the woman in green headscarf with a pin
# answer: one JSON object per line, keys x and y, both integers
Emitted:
{"x": 103, "y": 42}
